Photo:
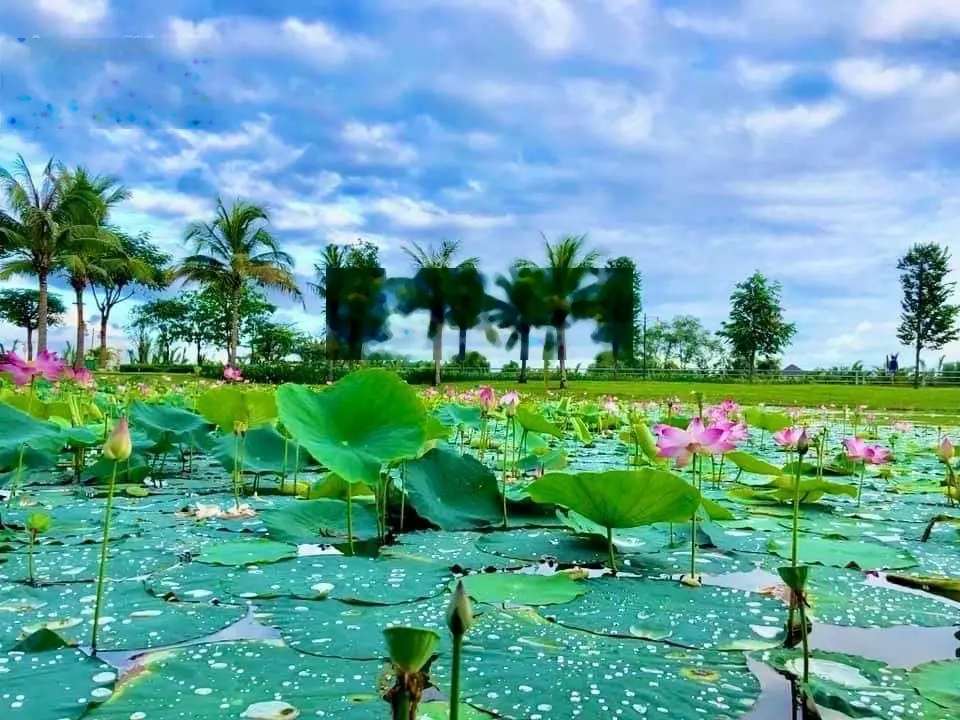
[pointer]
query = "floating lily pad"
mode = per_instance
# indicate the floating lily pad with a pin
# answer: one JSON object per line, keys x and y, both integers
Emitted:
{"x": 815, "y": 550}
{"x": 246, "y": 552}
{"x": 523, "y": 588}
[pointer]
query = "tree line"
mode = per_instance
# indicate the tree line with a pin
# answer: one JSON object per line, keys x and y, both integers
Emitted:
{"x": 57, "y": 224}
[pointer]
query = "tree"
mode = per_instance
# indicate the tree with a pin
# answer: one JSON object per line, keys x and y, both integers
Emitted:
{"x": 272, "y": 341}
{"x": 21, "y": 308}
{"x": 756, "y": 325}
{"x": 928, "y": 320}
{"x": 468, "y": 301}
{"x": 521, "y": 309}
{"x": 616, "y": 309}
{"x": 432, "y": 288}
{"x": 163, "y": 315}
{"x": 351, "y": 283}
{"x": 569, "y": 265}
{"x": 233, "y": 252}
{"x": 691, "y": 339}
{"x": 148, "y": 272}
{"x": 91, "y": 251}
{"x": 472, "y": 360}
{"x": 36, "y": 230}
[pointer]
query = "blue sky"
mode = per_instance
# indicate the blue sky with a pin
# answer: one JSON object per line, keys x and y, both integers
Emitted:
{"x": 813, "y": 140}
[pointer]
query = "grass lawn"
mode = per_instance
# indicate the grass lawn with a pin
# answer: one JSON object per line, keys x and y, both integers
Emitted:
{"x": 942, "y": 401}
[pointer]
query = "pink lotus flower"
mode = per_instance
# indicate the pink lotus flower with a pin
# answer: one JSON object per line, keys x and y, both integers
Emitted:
{"x": 695, "y": 440}
{"x": 876, "y": 455}
{"x": 733, "y": 432}
{"x": 231, "y": 374}
{"x": 487, "y": 398}
{"x": 81, "y": 376}
{"x": 610, "y": 405}
{"x": 945, "y": 450}
{"x": 47, "y": 365}
{"x": 902, "y": 426}
{"x": 787, "y": 438}
{"x": 856, "y": 448}
{"x": 509, "y": 403}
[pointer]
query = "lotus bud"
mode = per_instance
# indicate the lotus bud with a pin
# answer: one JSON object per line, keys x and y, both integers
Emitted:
{"x": 509, "y": 403}
{"x": 803, "y": 443}
{"x": 487, "y": 398}
{"x": 118, "y": 446}
{"x": 945, "y": 451}
{"x": 459, "y": 612}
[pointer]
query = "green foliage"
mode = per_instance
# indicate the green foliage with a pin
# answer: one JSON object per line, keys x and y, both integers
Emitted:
{"x": 928, "y": 320}
{"x": 756, "y": 325}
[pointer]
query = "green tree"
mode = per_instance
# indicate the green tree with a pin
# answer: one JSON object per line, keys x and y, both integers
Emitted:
{"x": 928, "y": 320}
{"x": 521, "y": 309}
{"x": 472, "y": 360}
{"x": 21, "y": 308}
{"x": 272, "y": 341}
{"x": 91, "y": 251}
{"x": 148, "y": 271}
{"x": 36, "y": 229}
{"x": 617, "y": 308}
{"x": 233, "y": 252}
{"x": 432, "y": 288}
{"x": 468, "y": 302}
{"x": 756, "y": 325}
{"x": 351, "y": 282}
{"x": 569, "y": 266}
{"x": 164, "y": 316}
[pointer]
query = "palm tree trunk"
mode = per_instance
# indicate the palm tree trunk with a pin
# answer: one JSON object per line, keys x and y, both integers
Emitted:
{"x": 104, "y": 323}
{"x": 234, "y": 340}
{"x": 29, "y": 343}
{"x": 199, "y": 353}
{"x": 463, "y": 347}
{"x": 524, "y": 355}
{"x": 81, "y": 330}
{"x": 562, "y": 354}
{"x": 437, "y": 354}
{"x": 916, "y": 366}
{"x": 42, "y": 312}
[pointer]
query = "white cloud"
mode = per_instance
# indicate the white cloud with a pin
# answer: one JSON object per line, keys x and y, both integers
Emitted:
{"x": 762, "y": 76}
{"x": 311, "y": 215}
{"x": 710, "y": 25}
{"x": 798, "y": 119}
{"x": 157, "y": 201}
{"x": 874, "y": 78}
{"x": 378, "y": 143}
{"x": 420, "y": 214}
{"x": 612, "y": 111}
{"x": 316, "y": 43}
{"x": 72, "y": 13}
{"x": 897, "y": 19}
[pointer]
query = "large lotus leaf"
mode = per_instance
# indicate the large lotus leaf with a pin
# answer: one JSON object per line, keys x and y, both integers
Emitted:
{"x": 60, "y": 684}
{"x": 535, "y": 422}
{"x": 169, "y": 425}
{"x": 131, "y": 617}
{"x": 246, "y": 552}
{"x": 79, "y": 563}
{"x": 520, "y": 667}
{"x": 323, "y": 520}
{"x": 452, "y": 549}
{"x": 766, "y": 420}
{"x": 752, "y": 464}
{"x": 228, "y": 406}
{"x": 942, "y": 586}
{"x": 707, "y": 617}
{"x": 264, "y": 451}
{"x": 533, "y": 545}
{"x": 620, "y": 498}
{"x": 364, "y": 421}
{"x": 854, "y": 686}
{"x": 938, "y": 682}
{"x": 816, "y": 550}
{"x": 244, "y": 680}
{"x": 357, "y": 580}
{"x": 848, "y": 598}
{"x": 20, "y": 429}
{"x": 455, "y": 415}
{"x": 521, "y": 588}
{"x": 643, "y": 539}
{"x": 453, "y": 491}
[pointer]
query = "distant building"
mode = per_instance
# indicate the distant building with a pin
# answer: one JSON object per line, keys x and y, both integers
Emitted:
{"x": 792, "y": 371}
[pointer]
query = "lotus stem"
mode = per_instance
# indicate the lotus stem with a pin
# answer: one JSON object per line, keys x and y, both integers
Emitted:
{"x": 350, "y": 517}
{"x": 30, "y": 567}
{"x": 17, "y": 476}
{"x": 693, "y": 521}
{"x": 401, "y": 709}
{"x": 455, "y": 677}
{"x": 805, "y": 642}
{"x": 506, "y": 449}
{"x": 863, "y": 469}
{"x": 795, "y": 545}
{"x": 102, "y": 572}
{"x": 613, "y": 556}
{"x": 403, "y": 490}
{"x": 283, "y": 465}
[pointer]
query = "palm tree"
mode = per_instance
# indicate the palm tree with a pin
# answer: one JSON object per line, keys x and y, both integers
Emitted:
{"x": 521, "y": 310}
{"x": 569, "y": 265}
{"x": 233, "y": 252}
{"x": 36, "y": 229}
{"x": 468, "y": 301}
{"x": 92, "y": 253}
{"x": 431, "y": 288}
{"x": 616, "y": 304}
{"x": 329, "y": 288}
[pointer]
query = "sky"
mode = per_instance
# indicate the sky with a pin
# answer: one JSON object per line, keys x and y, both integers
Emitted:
{"x": 812, "y": 140}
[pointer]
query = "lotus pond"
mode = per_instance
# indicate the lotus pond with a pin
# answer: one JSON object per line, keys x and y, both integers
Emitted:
{"x": 622, "y": 560}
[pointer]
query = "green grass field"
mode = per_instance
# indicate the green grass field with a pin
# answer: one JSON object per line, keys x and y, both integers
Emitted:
{"x": 942, "y": 401}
